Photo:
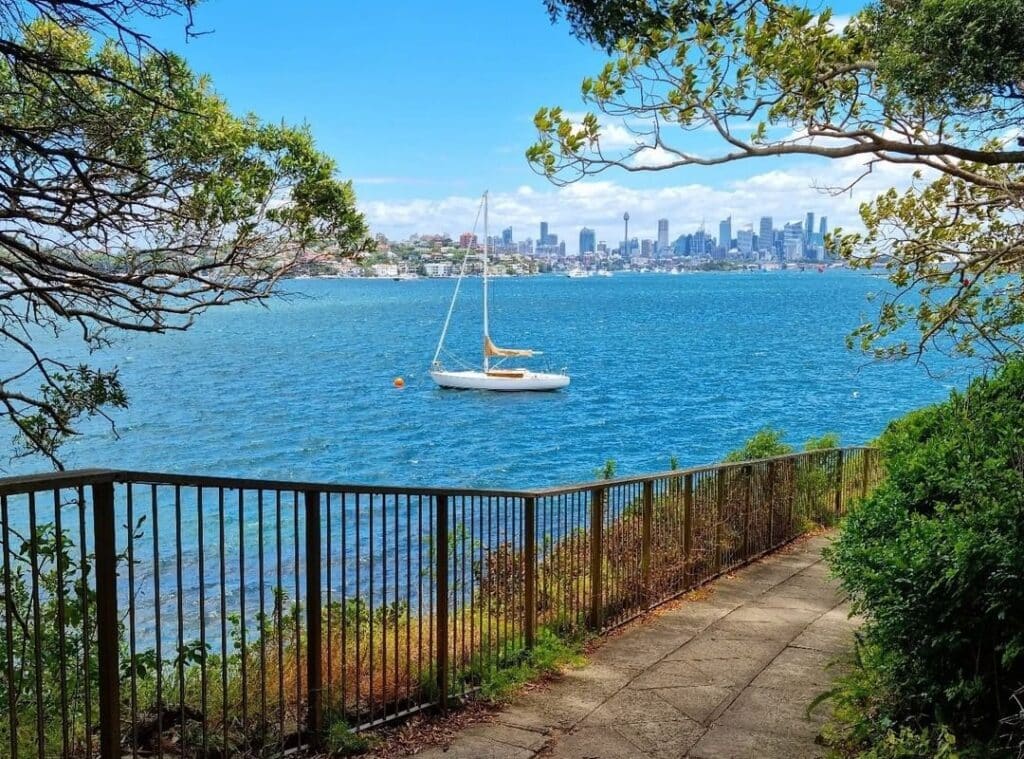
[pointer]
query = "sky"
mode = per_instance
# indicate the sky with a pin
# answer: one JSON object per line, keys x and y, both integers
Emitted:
{"x": 426, "y": 105}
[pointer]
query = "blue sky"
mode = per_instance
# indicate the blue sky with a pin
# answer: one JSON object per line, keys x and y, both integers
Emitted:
{"x": 425, "y": 105}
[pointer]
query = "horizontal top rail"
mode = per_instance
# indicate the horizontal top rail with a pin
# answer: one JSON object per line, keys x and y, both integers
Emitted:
{"x": 81, "y": 477}
{"x": 639, "y": 478}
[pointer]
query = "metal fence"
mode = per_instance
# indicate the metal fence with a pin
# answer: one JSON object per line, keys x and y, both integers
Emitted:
{"x": 156, "y": 614}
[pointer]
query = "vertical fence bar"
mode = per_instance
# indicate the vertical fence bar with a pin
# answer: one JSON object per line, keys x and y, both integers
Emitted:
{"x": 688, "y": 516}
{"x": 865, "y": 455}
{"x": 597, "y": 496}
{"x": 771, "y": 503}
{"x": 839, "y": 483}
{"x": 530, "y": 569}
{"x": 645, "y": 538}
{"x": 719, "y": 516}
{"x": 106, "y": 619}
{"x": 748, "y": 485}
{"x": 314, "y": 618}
{"x": 441, "y": 589}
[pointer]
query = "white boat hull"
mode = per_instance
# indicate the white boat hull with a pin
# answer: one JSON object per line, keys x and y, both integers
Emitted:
{"x": 518, "y": 380}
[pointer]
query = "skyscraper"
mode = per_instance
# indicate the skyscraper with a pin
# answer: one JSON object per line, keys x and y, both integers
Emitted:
{"x": 725, "y": 234}
{"x": 543, "y": 233}
{"x": 587, "y": 240}
{"x": 745, "y": 241}
{"x": 506, "y": 237}
{"x": 765, "y": 234}
{"x": 793, "y": 242}
{"x": 809, "y": 229}
{"x": 662, "y": 235}
{"x": 697, "y": 247}
{"x": 823, "y": 227}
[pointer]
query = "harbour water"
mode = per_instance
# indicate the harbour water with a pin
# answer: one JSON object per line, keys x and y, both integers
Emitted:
{"x": 686, "y": 366}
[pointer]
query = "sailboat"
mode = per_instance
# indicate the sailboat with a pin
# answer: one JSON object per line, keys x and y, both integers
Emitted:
{"x": 492, "y": 376}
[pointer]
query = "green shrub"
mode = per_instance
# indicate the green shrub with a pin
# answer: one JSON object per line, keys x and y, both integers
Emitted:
{"x": 934, "y": 559}
{"x": 763, "y": 444}
{"x": 826, "y": 442}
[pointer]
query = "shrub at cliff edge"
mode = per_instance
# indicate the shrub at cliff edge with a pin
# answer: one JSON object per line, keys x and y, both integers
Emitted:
{"x": 934, "y": 560}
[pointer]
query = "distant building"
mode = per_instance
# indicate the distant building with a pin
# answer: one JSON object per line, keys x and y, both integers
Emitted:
{"x": 506, "y": 237}
{"x": 725, "y": 234}
{"x": 745, "y": 241}
{"x": 793, "y": 241}
{"x": 765, "y": 235}
{"x": 467, "y": 240}
{"x": 437, "y": 269}
{"x": 385, "y": 270}
{"x": 588, "y": 240}
{"x": 662, "y": 236}
{"x": 646, "y": 248}
{"x": 809, "y": 229}
{"x": 543, "y": 233}
{"x": 698, "y": 247}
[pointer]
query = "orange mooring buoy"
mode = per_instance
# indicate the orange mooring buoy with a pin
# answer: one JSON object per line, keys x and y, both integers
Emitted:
{"x": 399, "y": 382}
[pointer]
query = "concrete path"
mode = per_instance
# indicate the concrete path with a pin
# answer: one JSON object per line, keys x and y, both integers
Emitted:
{"x": 727, "y": 676}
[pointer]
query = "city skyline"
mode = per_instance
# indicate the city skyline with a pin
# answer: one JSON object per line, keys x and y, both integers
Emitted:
{"x": 744, "y": 236}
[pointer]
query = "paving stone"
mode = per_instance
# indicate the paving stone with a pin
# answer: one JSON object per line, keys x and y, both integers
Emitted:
{"x": 831, "y": 633}
{"x": 597, "y": 742}
{"x": 797, "y": 598}
{"x": 797, "y": 666}
{"x": 762, "y": 709}
{"x": 733, "y": 743}
{"x": 698, "y": 702}
{"x": 643, "y": 649}
{"x": 477, "y": 747}
{"x": 662, "y": 739}
{"x": 675, "y": 673}
{"x": 502, "y": 733}
{"x": 633, "y": 706}
{"x": 716, "y": 645}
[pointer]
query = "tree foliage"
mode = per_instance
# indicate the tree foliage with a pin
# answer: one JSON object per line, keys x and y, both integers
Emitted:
{"x": 933, "y": 560}
{"x": 134, "y": 200}
{"x": 931, "y": 85}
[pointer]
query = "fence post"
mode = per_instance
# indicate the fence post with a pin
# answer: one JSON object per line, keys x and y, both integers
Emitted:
{"x": 441, "y": 601}
{"x": 719, "y": 512}
{"x": 106, "y": 620}
{"x": 645, "y": 537}
{"x": 596, "y": 539}
{"x": 866, "y": 459}
{"x": 314, "y": 619}
{"x": 839, "y": 484}
{"x": 771, "y": 503}
{"x": 530, "y": 559}
{"x": 748, "y": 484}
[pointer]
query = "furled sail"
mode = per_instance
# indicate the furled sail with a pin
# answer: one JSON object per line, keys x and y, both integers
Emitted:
{"x": 493, "y": 351}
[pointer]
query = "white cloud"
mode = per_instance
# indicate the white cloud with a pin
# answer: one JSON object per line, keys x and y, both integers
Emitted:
{"x": 785, "y": 194}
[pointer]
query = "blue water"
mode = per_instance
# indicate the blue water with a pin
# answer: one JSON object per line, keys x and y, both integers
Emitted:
{"x": 661, "y": 365}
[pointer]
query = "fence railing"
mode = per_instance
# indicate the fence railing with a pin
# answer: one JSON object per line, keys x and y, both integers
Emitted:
{"x": 156, "y": 614}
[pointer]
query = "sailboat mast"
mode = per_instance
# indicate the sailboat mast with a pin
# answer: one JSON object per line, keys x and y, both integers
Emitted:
{"x": 487, "y": 361}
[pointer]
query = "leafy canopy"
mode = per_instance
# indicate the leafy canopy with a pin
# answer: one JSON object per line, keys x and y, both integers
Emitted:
{"x": 930, "y": 85}
{"x": 134, "y": 201}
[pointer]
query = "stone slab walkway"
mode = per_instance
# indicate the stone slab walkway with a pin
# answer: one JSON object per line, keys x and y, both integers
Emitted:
{"x": 730, "y": 675}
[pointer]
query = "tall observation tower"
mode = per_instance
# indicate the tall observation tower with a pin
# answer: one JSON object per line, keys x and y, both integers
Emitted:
{"x": 625, "y": 240}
